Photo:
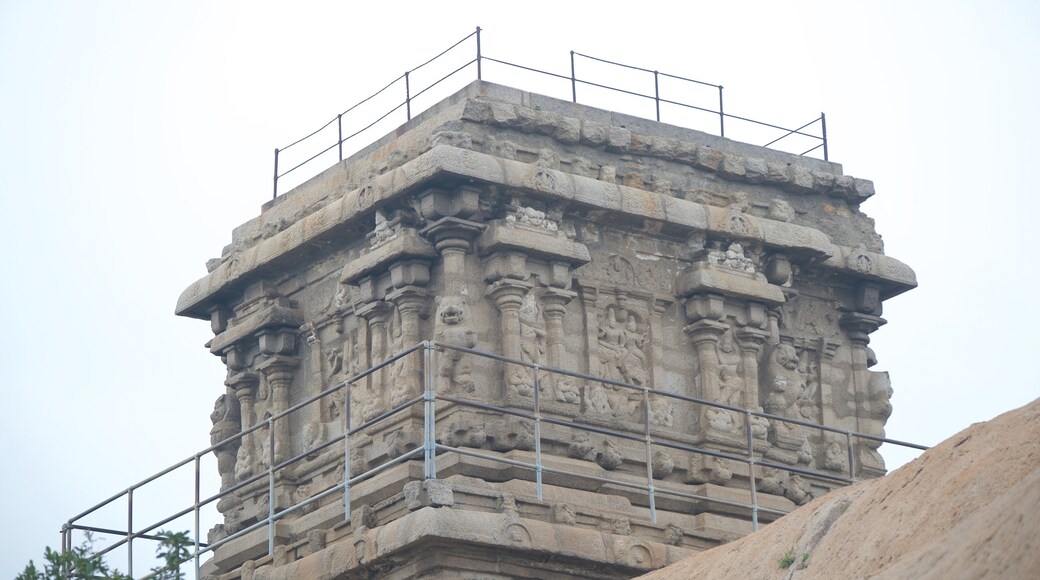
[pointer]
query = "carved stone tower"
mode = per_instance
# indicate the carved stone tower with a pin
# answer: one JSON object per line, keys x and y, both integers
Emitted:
{"x": 659, "y": 267}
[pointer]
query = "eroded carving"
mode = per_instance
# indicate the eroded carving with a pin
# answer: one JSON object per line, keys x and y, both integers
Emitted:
{"x": 226, "y": 423}
{"x": 452, "y": 328}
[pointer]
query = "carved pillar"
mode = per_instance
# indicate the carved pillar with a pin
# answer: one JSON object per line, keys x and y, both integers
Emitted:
{"x": 751, "y": 341}
{"x": 375, "y": 314}
{"x": 705, "y": 334}
{"x": 508, "y": 295}
{"x": 410, "y": 302}
{"x": 858, "y": 327}
{"x": 453, "y": 238}
{"x": 554, "y": 303}
{"x": 279, "y": 370}
{"x": 244, "y": 384}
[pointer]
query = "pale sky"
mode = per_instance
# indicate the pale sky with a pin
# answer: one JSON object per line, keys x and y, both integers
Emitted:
{"x": 135, "y": 135}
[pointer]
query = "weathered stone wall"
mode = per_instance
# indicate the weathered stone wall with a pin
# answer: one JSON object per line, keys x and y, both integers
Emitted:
{"x": 566, "y": 236}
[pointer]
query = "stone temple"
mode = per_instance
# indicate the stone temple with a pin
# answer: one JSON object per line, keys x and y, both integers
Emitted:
{"x": 658, "y": 267}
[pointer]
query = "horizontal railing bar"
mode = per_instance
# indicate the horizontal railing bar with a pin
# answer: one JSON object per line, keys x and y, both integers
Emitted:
{"x": 315, "y": 132}
{"x": 485, "y": 406}
{"x": 309, "y": 159}
{"x": 113, "y": 532}
{"x": 811, "y": 150}
{"x": 527, "y": 68}
{"x": 373, "y": 95}
{"x": 359, "y": 478}
{"x": 688, "y": 106}
{"x": 739, "y": 118}
{"x": 370, "y": 125}
{"x": 322, "y": 494}
{"x": 890, "y": 441}
{"x": 696, "y": 496}
{"x": 668, "y": 394}
{"x": 594, "y": 429}
{"x": 699, "y": 497}
{"x": 381, "y": 468}
{"x": 385, "y": 414}
{"x": 800, "y": 471}
{"x": 603, "y": 60}
{"x": 621, "y": 482}
{"x": 442, "y": 79}
{"x": 247, "y": 432}
{"x": 445, "y": 51}
{"x": 701, "y": 451}
{"x": 608, "y": 87}
{"x": 505, "y": 460}
{"x": 348, "y": 383}
{"x": 689, "y": 80}
{"x": 792, "y": 132}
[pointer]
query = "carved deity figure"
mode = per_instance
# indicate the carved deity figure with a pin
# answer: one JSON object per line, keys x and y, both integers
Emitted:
{"x": 532, "y": 331}
{"x": 532, "y": 346}
{"x": 452, "y": 328}
{"x": 611, "y": 339}
{"x": 532, "y": 217}
{"x": 731, "y": 385}
{"x": 786, "y": 385}
{"x": 399, "y": 389}
{"x": 226, "y": 423}
{"x": 621, "y": 353}
{"x": 733, "y": 257}
{"x": 633, "y": 359}
{"x": 383, "y": 230}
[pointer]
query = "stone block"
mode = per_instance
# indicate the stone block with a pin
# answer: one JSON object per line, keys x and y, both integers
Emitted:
{"x": 428, "y": 493}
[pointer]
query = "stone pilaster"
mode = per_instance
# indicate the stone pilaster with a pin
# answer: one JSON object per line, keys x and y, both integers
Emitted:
{"x": 453, "y": 238}
{"x": 554, "y": 303}
{"x": 751, "y": 341}
{"x": 507, "y": 296}
{"x": 278, "y": 370}
{"x": 376, "y": 314}
{"x": 407, "y": 373}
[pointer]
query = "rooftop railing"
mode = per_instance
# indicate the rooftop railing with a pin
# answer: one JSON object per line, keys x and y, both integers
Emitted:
{"x": 432, "y": 392}
{"x": 320, "y": 143}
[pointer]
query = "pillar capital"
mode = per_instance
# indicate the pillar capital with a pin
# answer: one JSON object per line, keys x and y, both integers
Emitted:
{"x": 508, "y": 294}
{"x": 244, "y": 380}
{"x": 859, "y": 326}
{"x": 705, "y": 330}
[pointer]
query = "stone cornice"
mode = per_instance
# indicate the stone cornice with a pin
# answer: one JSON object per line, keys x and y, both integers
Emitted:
{"x": 446, "y": 160}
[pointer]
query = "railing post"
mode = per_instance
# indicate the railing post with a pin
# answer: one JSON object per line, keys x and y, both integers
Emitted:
{"x": 479, "y": 77}
{"x": 722, "y": 116}
{"x": 852, "y": 458}
{"x": 346, "y": 451}
{"x": 429, "y": 420}
{"x": 649, "y": 456}
{"x": 751, "y": 470}
{"x": 574, "y": 81}
{"x": 270, "y": 487}
{"x": 657, "y": 97}
{"x": 198, "y": 497}
{"x": 275, "y": 196}
{"x": 339, "y": 126}
{"x": 407, "y": 96}
{"x": 130, "y": 532}
{"x": 537, "y": 435}
{"x": 823, "y": 124}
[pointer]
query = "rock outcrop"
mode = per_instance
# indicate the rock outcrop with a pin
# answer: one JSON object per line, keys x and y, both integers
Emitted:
{"x": 965, "y": 509}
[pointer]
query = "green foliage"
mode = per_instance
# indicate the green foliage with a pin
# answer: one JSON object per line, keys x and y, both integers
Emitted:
{"x": 787, "y": 560}
{"x": 173, "y": 550}
{"x": 805, "y": 558}
{"x": 82, "y": 561}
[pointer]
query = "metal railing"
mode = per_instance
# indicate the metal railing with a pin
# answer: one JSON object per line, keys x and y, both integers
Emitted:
{"x": 430, "y": 448}
{"x": 404, "y": 83}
